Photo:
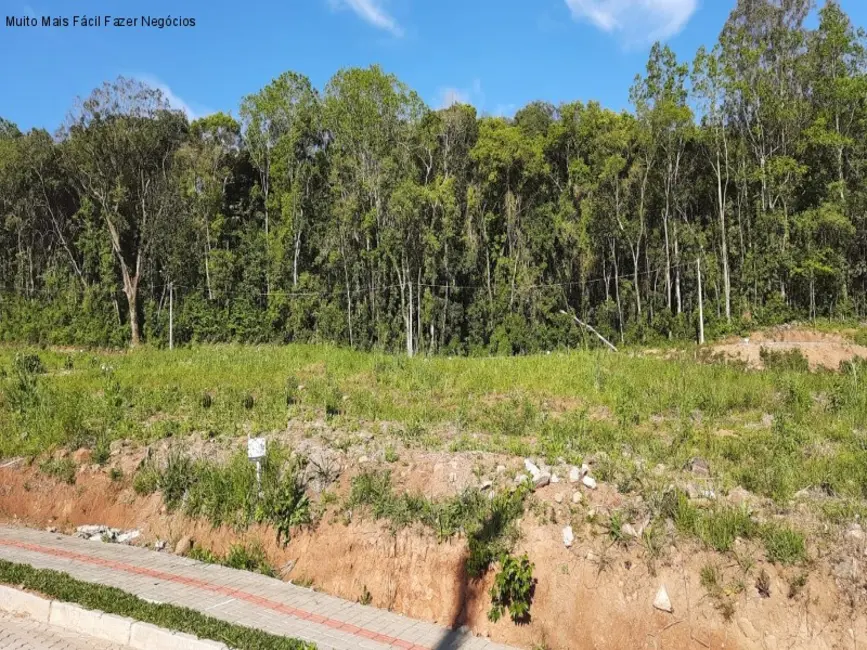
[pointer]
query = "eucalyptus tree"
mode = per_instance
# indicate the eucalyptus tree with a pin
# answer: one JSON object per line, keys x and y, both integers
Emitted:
{"x": 120, "y": 146}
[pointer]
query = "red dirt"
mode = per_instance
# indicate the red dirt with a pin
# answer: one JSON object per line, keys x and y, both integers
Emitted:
{"x": 593, "y": 596}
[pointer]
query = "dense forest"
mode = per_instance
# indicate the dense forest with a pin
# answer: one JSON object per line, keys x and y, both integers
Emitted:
{"x": 357, "y": 214}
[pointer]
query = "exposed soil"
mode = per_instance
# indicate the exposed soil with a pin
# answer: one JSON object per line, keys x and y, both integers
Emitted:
{"x": 821, "y": 349}
{"x": 595, "y": 595}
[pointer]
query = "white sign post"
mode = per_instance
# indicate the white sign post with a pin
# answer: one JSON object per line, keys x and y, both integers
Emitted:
{"x": 256, "y": 450}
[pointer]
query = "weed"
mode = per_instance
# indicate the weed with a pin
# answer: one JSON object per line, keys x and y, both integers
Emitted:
{"x": 513, "y": 589}
{"x": 796, "y": 585}
{"x": 615, "y": 527}
{"x": 784, "y": 360}
{"x": 365, "y": 598}
{"x": 391, "y": 455}
{"x": 176, "y": 479}
{"x": 711, "y": 579}
{"x": 783, "y": 545}
{"x": 249, "y": 558}
{"x": 28, "y": 364}
{"x": 146, "y": 480}
{"x": 115, "y": 474}
{"x": 101, "y": 451}
{"x": 62, "y": 469}
{"x": 763, "y": 584}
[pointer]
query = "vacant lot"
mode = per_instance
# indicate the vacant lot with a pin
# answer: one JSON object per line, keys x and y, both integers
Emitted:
{"x": 746, "y": 481}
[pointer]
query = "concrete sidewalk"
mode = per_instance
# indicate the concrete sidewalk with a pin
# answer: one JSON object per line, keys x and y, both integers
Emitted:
{"x": 239, "y": 597}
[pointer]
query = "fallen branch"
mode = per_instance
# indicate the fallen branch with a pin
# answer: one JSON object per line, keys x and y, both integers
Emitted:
{"x": 585, "y": 325}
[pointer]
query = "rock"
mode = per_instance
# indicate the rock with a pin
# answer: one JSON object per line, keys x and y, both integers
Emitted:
{"x": 699, "y": 467}
{"x": 531, "y": 467}
{"x": 589, "y": 482}
{"x": 184, "y": 545}
{"x": 160, "y": 545}
{"x": 89, "y": 530}
{"x": 739, "y": 496}
{"x": 51, "y": 529}
{"x": 487, "y": 485}
{"x": 568, "y": 537}
{"x": 574, "y": 475}
{"x": 558, "y": 497}
{"x": 629, "y": 531}
{"x": 855, "y": 532}
{"x": 576, "y": 498}
{"x": 585, "y": 470}
{"x": 128, "y": 536}
{"x": 847, "y": 569}
{"x": 542, "y": 480}
{"x": 555, "y": 478}
{"x": 82, "y": 456}
{"x": 521, "y": 478}
{"x": 363, "y": 460}
{"x": 662, "y": 602}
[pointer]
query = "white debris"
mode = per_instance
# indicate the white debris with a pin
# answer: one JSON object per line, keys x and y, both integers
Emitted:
{"x": 662, "y": 602}
{"x": 531, "y": 467}
{"x": 568, "y": 537}
{"x": 629, "y": 531}
{"x": 589, "y": 482}
{"x": 574, "y": 475}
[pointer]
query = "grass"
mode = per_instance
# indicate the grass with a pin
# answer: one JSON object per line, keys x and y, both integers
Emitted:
{"x": 59, "y": 586}
{"x": 240, "y": 556}
{"x": 535, "y": 405}
{"x": 487, "y": 523}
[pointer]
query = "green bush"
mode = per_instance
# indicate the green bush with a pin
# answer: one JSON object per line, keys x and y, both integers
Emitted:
{"x": 787, "y": 360}
{"x": 62, "y": 469}
{"x": 513, "y": 589}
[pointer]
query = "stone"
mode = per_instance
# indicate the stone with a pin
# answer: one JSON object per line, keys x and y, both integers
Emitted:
{"x": 542, "y": 480}
{"x": 160, "y": 545}
{"x": 585, "y": 470}
{"x": 558, "y": 497}
{"x": 128, "y": 536}
{"x": 521, "y": 478}
{"x": 855, "y": 532}
{"x": 576, "y": 498}
{"x": 629, "y": 531}
{"x": 574, "y": 475}
{"x": 487, "y": 485}
{"x": 589, "y": 482}
{"x": 555, "y": 478}
{"x": 531, "y": 467}
{"x": 739, "y": 496}
{"x": 82, "y": 456}
{"x": 89, "y": 530}
{"x": 363, "y": 460}
{"x": 662, "y": 602}
{"x": 184, "y": 545}
{"x": 568, "y": 537}
{"x": 699, "y": 467}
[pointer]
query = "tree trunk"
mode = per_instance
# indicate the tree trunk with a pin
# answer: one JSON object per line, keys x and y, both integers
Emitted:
{"x": 700, "y": 304}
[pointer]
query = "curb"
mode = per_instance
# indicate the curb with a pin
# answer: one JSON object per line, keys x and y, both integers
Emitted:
{"x": 107, "y": 627}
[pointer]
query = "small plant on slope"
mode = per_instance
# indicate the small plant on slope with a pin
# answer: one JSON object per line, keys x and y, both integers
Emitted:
{"x": 513, "y": 589}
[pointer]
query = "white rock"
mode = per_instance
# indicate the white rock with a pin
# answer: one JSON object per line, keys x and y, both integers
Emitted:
{"x": 555, "y": 478}
{"x": 574, "y": 475}
{"x": 585, "y": 469}
{"x": 662, "y": 602}
{"x": 487, "y": 485}
{"x": 589, "y": 482}
{"x": 629, "y": 531}
{"x": 568, "y": 537}
{"x": 855, "y": 532}
{"x": 531, "y": 467}
{"x": 541, "y": 480}
{"x": 128, "y": 536}
{"x": 558, "y": 498}
{"x": 576, "y": 498}
{"x": 521, "y": 478}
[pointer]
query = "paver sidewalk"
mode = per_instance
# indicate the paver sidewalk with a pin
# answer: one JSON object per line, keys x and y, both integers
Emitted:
{"x": 238, "y": 597}
{"x": 21, "y": 633}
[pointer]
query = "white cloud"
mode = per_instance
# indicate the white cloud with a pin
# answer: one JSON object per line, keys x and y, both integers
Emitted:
{"x": 636, "y": 20}
{"x": 372, "y": 12}
{"x": 192, "y": 112}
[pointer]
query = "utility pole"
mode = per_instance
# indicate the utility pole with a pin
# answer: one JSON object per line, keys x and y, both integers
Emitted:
{"x": 171, "y": 316}
{"x": 700, "y": 304}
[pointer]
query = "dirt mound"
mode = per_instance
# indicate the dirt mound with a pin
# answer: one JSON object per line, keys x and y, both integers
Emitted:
{"x": 598, "y": 594}
{"x": 821, "y": 349}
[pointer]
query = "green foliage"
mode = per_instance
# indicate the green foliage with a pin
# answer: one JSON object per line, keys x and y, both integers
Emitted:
{"x": 59, "y": 586}
{"x": 787, "y": 360}
{"x": 513, "y": 589}
{"x": 240, "y": 556}
{"x": 61, "y": 469}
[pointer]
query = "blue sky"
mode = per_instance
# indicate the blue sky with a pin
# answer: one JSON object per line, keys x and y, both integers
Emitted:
{"x": 495, "y": 54}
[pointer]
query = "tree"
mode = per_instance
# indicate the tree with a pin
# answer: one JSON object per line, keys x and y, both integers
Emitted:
{"x": 121, "y": 143}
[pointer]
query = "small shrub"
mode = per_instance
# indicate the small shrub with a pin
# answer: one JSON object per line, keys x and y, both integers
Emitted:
{"x": 115, "y": 474}
{"x": 513, "y": 589}
{"x": 207, "y": 401}
{"x": 391, "y": 455}
{"x": 29, "y": 364}
{"x": 248, "y": 402}
{"x": 786, "y": 360}
{"x": 249, "y": 558}
{"x": 288, "y": 507}
{"x": 763, "y": 584}
{"x": 176, "y": 479}
{"x": 796, "y": 585}
{"x": 147, "y": 480}
{"x": 101, "y": 451}
{"x": 293, "y": 393}
{"x": 366, "y": 598}
{"x": 62, "y": 469}
{"x": 68, "y": 363}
